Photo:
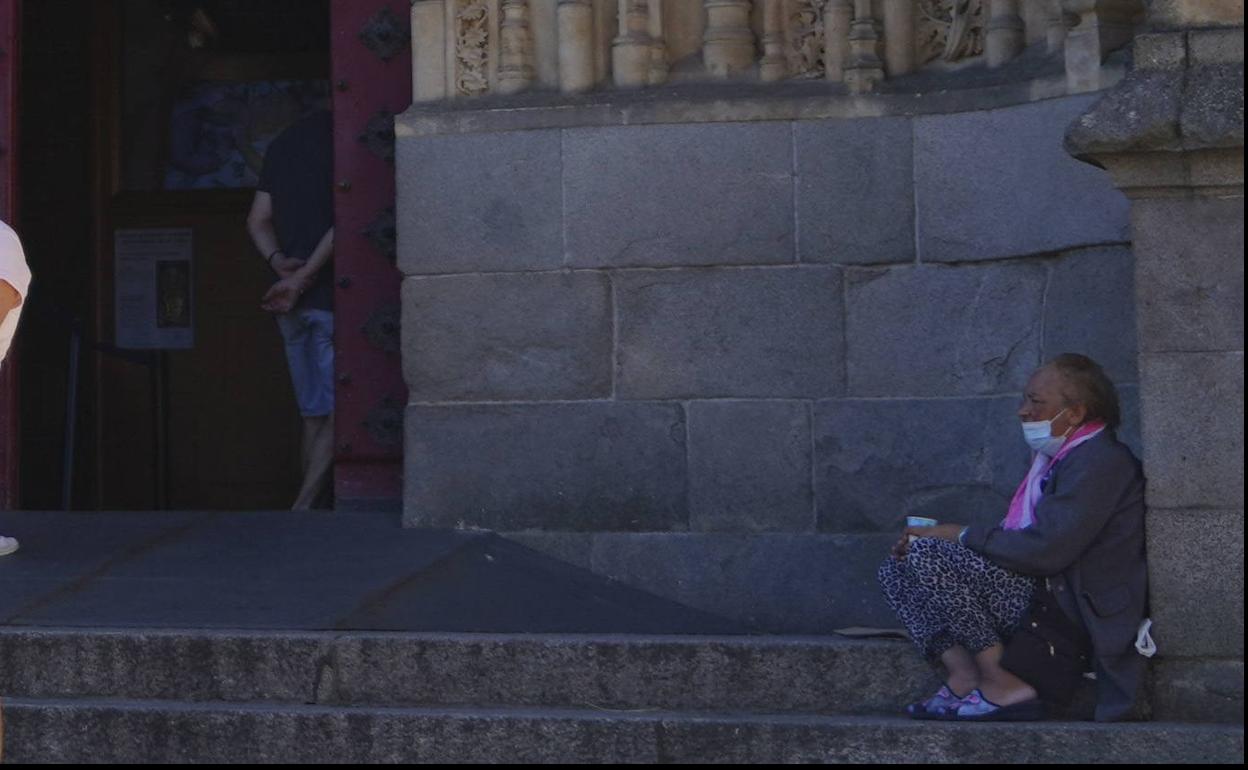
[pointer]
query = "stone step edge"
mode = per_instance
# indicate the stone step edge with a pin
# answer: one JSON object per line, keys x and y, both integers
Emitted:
{"x": 602, "y": 714}
{"x": 128, "y": 731}
{"x": 330, "y": 635}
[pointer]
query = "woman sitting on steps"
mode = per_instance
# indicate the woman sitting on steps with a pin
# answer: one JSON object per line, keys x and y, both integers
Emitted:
{"x": 1018, "y": 611}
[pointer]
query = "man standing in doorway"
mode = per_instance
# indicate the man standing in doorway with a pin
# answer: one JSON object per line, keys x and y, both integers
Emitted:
{"x": 14, "y": 283}
{"x": 292, "y": 225}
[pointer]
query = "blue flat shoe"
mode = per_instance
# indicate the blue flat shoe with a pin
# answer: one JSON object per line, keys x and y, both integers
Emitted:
{"x": 976, "y": 708}
{"x": 943, "y": 705}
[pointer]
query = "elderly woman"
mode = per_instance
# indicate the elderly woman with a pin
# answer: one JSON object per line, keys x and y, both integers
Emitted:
{"x": 1070, "y": 552}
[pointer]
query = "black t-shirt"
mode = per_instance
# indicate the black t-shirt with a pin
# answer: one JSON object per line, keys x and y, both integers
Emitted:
{"x": 299, "y": 174}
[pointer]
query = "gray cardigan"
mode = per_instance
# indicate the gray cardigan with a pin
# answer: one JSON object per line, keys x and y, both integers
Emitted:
{"x": 1088, "y": 539}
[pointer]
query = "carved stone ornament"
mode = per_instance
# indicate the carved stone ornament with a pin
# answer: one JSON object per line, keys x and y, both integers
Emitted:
{"x": 385, "y": 423}
{"x": 951, "y": 30}
{"x": 382, "y": 232}
{"x": 378, "y": 136}
{"x": 805, "y": 32}
{"x": 472, "y": 47}
{"x": 382, "y": 328}
{"x": 386, "y": 35}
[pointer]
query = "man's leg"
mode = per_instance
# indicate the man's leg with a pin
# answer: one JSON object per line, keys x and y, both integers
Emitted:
{"x": 318, "y": 443}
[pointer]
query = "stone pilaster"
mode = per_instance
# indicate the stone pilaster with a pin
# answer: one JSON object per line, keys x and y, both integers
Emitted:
{"x": 728, "y": 44}
{"x": 1102, "y": 26}
{"x": 428, "y": 50}
{"x": 864, "y": 70}
{"x": 576, "y": 45}
{"x": 515, "y": 70}
{"x": 1005, "y": 32}
{"x": 630, "y": 51}
{"x": 837, "y": 19}
{"x": 898, "y": 37}
{"x": 774, "y": 65}
{"x": 658, "y": 44}
{"x": 1171, "y": 135}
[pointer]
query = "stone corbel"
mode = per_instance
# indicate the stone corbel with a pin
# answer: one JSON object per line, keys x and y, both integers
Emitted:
{"x": 1103, "y": 26}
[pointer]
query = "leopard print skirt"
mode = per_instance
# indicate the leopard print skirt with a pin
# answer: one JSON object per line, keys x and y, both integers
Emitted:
{"x": 946, "y": 594}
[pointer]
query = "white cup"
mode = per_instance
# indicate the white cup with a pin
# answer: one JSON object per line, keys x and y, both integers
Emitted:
{"x": 919, "y": 521}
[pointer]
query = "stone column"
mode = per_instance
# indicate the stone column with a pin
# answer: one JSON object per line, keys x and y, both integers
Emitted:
{"x": 658, "y": 44}
{"x": 515, "y": 70}
{"x": 576, "y": 45}
{"x": 864, "y": 70}
{"x": 1004, "y": 40}
{"x": 774, "y": 65}
{"x": 1102, "y": 26}
{"x": 1055, "y": 26}
{"x": 428, "y": 50}
{"x": 1171, "y": 135}
{"x": 837, "y": 18}
{"x": 898, "y": 37}
{"x": 728, "y": 44}
{"x": 630, "y": 51}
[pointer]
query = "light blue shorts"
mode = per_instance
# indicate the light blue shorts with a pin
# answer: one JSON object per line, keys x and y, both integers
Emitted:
{"x": 309, "y": 336}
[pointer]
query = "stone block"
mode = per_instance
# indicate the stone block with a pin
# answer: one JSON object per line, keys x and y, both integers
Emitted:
{"x": 1196, "y": 582}
{"x": 1090, "y": 309}
{"x": 878, "y": 461}
{"x": 1213, "y": 106}
{"x": 1000, "y": 184}
{"x": 1199, "y": 691}
{"x": 1174, "y": 14}
{"x": 701, "y": 194}
{"x": 729, "y": 333}
{"x": 775, "y": 583}
{"x": 480, "y": 203}
{"x": 1193, "y": 418}
{"x": 943, "y": 331}
{"x": 1190, "y": 275}
{"x": 855, "y": 191}
{"x": 595, "y": 466}
{"x": 1216, "y": 46}
{"x": 1160, "y": 50}
{"x": 507, "y": 337}
{"x": 749, "y": 466}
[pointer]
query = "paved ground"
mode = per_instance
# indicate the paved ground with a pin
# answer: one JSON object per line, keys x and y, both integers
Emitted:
{"x": 318, "y": 571}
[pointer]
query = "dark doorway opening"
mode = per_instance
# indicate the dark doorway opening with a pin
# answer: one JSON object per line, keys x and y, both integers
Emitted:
{"x": 142, "y": 117}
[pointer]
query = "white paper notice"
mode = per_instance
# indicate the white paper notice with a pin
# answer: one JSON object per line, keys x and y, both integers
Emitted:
{"x": 154, "y": 288}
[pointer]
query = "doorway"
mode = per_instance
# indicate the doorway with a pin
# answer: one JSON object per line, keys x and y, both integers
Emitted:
{"x": 148, "y": 119}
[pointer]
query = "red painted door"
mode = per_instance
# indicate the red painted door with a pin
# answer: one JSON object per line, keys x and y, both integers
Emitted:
{"x": 372, "y": 80}
{"x": 10, "y": 38}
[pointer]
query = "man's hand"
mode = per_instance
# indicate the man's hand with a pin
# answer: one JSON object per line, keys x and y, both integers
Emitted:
{"x": 283, "y": 295}
{"x": 9, "y": 299}
{"x": 286, "y": 266}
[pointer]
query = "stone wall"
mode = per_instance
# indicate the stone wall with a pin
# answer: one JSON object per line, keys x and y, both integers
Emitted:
{"x": 722, "y": 360}
{"x": 1172, "y": 137}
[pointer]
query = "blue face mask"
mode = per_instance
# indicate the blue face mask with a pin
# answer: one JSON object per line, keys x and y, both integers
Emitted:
{"x": 1039, "y": 436}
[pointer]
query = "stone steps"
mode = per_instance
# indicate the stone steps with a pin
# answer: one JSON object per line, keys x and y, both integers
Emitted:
{"x": 768, "y": 674}
{"x": 76, "y": 695}
{"x": 147, "y": 731}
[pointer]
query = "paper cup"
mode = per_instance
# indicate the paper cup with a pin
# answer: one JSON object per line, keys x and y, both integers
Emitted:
{"x": 919, "y": 521}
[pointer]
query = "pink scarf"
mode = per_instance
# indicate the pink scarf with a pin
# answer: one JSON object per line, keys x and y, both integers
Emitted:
{"x": 1023, "y": 506}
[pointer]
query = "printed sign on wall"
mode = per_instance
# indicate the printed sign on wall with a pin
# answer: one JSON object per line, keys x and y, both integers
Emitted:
{"x": 154, "y": 289}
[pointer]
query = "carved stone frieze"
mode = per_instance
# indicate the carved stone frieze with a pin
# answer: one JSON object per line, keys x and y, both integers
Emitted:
{"x": 950, "y": 30}
{"x": 805, "y": 28}
{"x": 472, "y": 47}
